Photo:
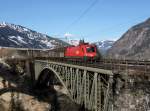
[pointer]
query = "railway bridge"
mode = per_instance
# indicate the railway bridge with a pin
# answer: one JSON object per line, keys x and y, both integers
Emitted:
{"x": 86, "y": 86}
{"x": 86, "y": 83}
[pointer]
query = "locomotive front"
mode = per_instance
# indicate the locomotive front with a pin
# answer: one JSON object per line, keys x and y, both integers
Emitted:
{"x": 84, "y": 50}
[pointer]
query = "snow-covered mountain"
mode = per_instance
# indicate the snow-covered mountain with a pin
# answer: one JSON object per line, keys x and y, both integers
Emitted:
{"x": 103, "y": 46}
{"x": 20, "y": 37}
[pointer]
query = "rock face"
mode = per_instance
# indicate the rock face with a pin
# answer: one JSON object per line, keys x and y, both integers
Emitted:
{"x": 132, "y": 93}
{"x": 134, "y": 44}
{"x": 20, "y": 37}
{"x": 22, "y": 102}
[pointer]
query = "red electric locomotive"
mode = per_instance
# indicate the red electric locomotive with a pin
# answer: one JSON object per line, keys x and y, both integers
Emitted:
{"x": 83, "y": 50}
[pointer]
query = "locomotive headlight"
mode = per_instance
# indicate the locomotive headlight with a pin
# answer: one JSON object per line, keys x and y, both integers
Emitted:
{"x": 77, "y": 52}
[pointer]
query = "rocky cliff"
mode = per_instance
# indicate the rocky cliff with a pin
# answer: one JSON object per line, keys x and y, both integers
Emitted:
{"x": 131, "y": 93}
{"x": 134, "y": 44}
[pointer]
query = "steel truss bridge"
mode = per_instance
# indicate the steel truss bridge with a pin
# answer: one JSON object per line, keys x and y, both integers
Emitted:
{"x": 86, "y": 86}
{"x": 88, "y": 83}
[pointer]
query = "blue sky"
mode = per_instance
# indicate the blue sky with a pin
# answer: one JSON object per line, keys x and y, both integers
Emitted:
{"x": 107, "y": 19}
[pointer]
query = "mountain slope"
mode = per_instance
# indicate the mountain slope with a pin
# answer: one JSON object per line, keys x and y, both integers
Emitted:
{"x": 20, "y": 37}
{"x": 134, "y": 44}
{"x": 103, "y": 46}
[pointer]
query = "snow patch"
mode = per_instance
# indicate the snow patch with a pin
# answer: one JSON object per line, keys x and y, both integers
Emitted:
{"x": 30, "y": 36}
{"x": 25, "y": 29}
{"x": 21, "y": 40}
{"x": 12, "y": 37}
{"x": 14, "y": 41}
{"x": 48, "y": 43}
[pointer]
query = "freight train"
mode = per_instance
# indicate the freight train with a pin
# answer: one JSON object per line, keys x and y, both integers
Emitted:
{"x": 81, "y": 51}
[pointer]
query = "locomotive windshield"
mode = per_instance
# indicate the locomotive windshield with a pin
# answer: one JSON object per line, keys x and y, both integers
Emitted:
{"x": 90, "y": 49}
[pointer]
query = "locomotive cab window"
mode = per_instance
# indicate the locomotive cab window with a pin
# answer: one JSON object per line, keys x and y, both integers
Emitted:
{"x": 90, "y": 49}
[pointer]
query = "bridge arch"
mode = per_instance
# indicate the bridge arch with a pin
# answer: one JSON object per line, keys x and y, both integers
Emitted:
{"x": 48, "y": 77}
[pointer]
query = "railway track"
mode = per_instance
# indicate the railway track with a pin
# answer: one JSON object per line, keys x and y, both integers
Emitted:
{"x": 117, "y": 66}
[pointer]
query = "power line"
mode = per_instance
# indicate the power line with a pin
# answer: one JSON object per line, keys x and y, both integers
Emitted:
{"x": 82, "y": 15}
{"x": 119, "y": 25}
